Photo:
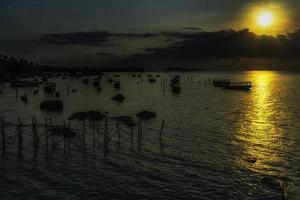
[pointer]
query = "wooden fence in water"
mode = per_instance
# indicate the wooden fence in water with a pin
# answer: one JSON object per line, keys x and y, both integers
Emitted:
{"x": 49, "y": 137}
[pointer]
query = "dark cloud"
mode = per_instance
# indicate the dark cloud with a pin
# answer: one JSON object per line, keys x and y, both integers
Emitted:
{"x": 134, "y": 35}
{"x": 188, "y": 45}
{"x": 87, "y": 38}
{"x": 192, "y": 28}
{"x": 83, "y": 38}
{"x": 104, "y": 54}
{"x": 228, "y": 43}
{"x": 181, "y": 35}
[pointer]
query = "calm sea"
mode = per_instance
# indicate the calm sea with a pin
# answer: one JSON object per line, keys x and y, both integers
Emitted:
{"x": 217, "y": 144}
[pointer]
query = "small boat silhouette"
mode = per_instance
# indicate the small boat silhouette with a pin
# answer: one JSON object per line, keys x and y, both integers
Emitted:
{"x": 238, "y": 85}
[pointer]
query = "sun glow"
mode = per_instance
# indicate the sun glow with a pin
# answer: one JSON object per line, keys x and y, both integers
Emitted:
{"x": 265, "y": 18}
{"x": 270, "y": 19}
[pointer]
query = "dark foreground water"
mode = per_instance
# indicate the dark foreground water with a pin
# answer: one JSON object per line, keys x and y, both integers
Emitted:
{"x": 217, "y": 144}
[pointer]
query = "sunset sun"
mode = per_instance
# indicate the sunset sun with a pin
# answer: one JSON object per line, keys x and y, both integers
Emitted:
{"x": 269, "y": 19}
{"x": 265, "y": 19}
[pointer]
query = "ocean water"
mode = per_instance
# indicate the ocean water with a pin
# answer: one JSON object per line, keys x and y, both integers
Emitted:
{"x": 217, "y": 144}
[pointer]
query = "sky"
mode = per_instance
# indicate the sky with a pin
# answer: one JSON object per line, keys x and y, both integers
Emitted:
{"x": 29, "y": 27}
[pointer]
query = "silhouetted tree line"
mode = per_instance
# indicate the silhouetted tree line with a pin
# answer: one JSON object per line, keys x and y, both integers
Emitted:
{"x": 90, "y": 70}
{"x": 180, "y": 69}
{"x": 22, "y": 66}
{"x": 16, "y": 66}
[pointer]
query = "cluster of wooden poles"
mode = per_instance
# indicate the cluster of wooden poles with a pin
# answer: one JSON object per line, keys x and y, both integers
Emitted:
{"x": 51, "y": 137}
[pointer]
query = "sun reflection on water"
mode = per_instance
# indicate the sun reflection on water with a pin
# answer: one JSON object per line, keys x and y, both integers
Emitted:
{"x": 260, "y": 138}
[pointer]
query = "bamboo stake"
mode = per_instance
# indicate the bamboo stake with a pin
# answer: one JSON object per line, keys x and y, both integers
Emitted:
{"x": 69, "y": 127}
{"x": 34, "y": 136}
{"x": 94, "y": 136}
{"x": 46, "y": 133}
{"x": 161, "y": 130}
{"x": 51, "y": 125}
{"x": 118, "y": 131}
{"x": 64, "y": 135}
{"x": 140, "y": 132}
{"x": 83, "y": 136}
{"x": 106, "y": 134}
{"x": 36, "y": 132}
{"x": 20, "y": 136}
{"x": 3, "y": 135}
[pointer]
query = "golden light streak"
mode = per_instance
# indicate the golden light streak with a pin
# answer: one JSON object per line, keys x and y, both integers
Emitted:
{"x": 258, "y": 136}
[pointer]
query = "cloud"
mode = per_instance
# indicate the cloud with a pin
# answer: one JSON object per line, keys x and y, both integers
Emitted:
{"x": 228, "y": 43}
{"x": 83, "y": 38}
{"x": 135, "y": 35}
{"x": 181, "y": 35}
{"x": 104, "y": 54}
{"x": 173, "y": 46}
{"x": 192, "y": 28}
{"x": 87, "y": 38}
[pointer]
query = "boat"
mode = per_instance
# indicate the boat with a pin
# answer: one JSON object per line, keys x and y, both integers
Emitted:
{"x": 24, "y": 83}
{"x": 110, "y": 80}
{"x": 96, "y": 82}
{"x": 228, "y": 84}
{"x": 238, "y": 85}
{"x": 35, "y": 91}
{"x": 24, "y": 98}
{"x": 175, "y": 80}
{"x": 117, "y": 85}
{"x": 85, "y": 81}
{"x": 57, "y": 94}
{"x": 151, "y": 80}
{"x": 220, "y": 82}
{"x": 176, "y": 89}
{"x": 49, "y": 88}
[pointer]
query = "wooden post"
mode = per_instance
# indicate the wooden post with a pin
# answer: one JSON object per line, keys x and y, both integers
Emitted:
{"x": 106, "y": 134}
{"x": 161, "y": 130}
{"x": 83, "y": 134}
{"x": 140, "y": 134}
{"x": 34, "y": 136}
{"x": 3, "y": 135}
{"x": 94, "y": 136}
{"x": 46, "y": 133}
{"x": 131, "y": 133}
{"x": 118, "y": 131}
{"x": 36, "y": 132}
{"x": 98, "y": 132}
{"x": 164, "y": 83}
{"x": 68, "y": 89}
{"x": 17, "y": 94}
{"x": 64, "y": 135}
{"x": 141, "y": 131}
{"x": 51, "y": 126}
{"x": 20, "y": 136}
{"x": 69, "y": 127}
